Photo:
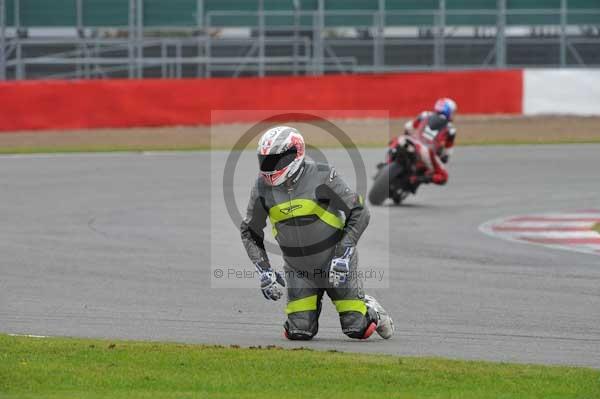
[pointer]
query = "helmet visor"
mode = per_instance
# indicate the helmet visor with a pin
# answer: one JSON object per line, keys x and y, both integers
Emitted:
{"x": 275, "y": 162}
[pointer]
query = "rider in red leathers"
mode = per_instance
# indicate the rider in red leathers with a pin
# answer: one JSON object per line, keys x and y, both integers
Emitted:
{"x": 431, "y": 134}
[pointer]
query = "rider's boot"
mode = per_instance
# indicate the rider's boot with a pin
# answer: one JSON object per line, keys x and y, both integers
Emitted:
{"x": 385, "y": 324}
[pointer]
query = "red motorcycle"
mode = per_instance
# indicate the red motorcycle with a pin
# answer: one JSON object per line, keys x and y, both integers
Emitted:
{"x": 398, "y": 177}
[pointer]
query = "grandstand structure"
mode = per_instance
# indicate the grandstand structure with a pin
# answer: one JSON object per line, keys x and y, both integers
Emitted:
{"x": 42, "y": 39}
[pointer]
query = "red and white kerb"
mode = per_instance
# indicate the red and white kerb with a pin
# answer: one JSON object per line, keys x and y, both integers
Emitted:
{"x": 573, "y": 231}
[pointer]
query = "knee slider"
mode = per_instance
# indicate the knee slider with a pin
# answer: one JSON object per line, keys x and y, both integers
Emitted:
{"x": 301, "y": 326}
{"x": 354, "y": 324}
{"x": 298, "y": 336}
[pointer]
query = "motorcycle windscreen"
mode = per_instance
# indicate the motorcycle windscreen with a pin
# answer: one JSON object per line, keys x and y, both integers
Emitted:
{"x": 274, "y": 162}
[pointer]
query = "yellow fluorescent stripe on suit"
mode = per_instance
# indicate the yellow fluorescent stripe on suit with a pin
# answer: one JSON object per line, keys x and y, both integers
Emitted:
{"x": 302, "y": 305}
{"x": 303, "y": 207}
{"x": 350, "y": 305}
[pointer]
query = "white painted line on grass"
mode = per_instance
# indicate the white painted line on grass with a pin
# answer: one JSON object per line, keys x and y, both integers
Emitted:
{"x": 28, "y": 335}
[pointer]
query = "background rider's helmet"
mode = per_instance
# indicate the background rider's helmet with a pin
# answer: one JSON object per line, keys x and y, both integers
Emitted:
{"x": 280, "y": 154}
{"x": 446, "y": 107}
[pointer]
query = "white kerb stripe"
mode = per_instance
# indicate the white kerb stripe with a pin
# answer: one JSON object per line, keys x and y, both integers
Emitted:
{"x": 555, "y": 234}
{"x": 549, "y": 225}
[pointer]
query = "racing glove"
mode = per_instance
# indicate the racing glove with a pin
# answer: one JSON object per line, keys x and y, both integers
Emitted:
{"x": 270, "y": 281}
{"x": 340, "y": 268}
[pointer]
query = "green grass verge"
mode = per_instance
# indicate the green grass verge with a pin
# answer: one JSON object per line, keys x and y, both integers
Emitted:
{"x": 141, "y": 148}
{"x": 84, "y": 368}
{"x": 596, "y": 227}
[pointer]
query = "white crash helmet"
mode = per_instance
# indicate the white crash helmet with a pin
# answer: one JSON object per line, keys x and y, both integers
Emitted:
{"x": 446, "y": 106}
{"x": 280, "y": 154}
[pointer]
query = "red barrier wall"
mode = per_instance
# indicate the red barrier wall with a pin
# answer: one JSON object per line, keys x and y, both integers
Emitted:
{"x": 38, "y": 105}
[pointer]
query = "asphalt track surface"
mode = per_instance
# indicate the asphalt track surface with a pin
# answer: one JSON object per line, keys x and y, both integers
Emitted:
{"x": 124, "y": 245}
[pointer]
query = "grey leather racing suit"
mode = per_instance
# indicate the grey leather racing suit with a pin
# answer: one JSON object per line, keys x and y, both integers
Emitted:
{"x": 314, "y": 216}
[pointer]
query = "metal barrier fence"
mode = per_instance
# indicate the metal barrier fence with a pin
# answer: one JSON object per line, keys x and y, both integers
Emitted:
{"x": 297, "y": 41}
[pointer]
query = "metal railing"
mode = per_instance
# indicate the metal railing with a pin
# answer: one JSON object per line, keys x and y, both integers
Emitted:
{"x": 312, "y": 44}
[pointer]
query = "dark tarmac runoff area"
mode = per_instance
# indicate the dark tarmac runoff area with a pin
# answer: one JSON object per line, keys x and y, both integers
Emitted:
{"x": 126, "y": 245}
